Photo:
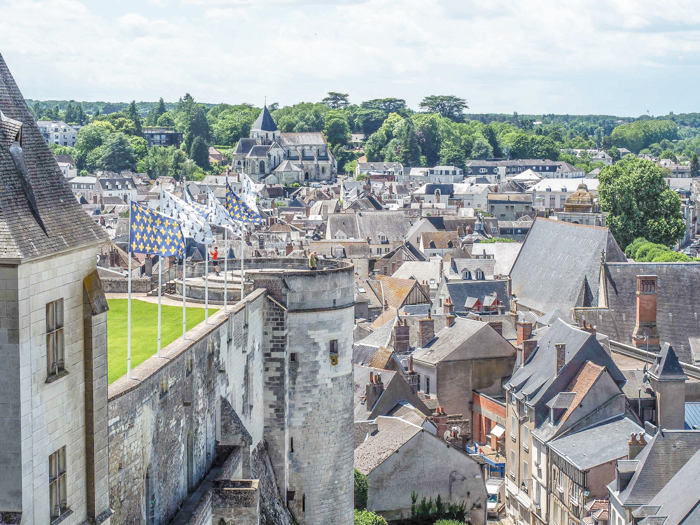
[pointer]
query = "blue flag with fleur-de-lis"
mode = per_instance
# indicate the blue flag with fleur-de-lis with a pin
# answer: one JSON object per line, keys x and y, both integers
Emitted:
{"x": 153, "y": 233}
{"x": 238, "y": 209}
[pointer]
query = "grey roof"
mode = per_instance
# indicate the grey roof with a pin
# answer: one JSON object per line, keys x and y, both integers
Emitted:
{"x": 39, "y": 215}
{"x": 667, "y": 367}
{"x": 460, "y": 291}
{"x": 265, "y": 122}
{"x": 569, "y": 274}
{"x": 676, "y": 503}
{"x": 360, "y": 380}
{"x": 505, "y": 254}
{"x": 466, "y": 339}
{"x": 259, "y": 151}
{"x": 562, "y": 400}
{"x": 392, "y": 435}
{"x": 597, "y": 444}
{"x": 244, "y": 146}
{"x": 416, "y": 309}
{"x": 661, "y": 459}
{"x": 537, "y": 379}
{"x": 363, "y": 351}
{"x": 368, "y": 224}
{"x": 678, "y": 303}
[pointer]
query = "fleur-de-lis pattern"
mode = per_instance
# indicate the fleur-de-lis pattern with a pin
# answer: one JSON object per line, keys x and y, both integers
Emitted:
{"x": 153, "y": 233}
{"x": 238, "y": 210}
{"x": 193, "y": 224}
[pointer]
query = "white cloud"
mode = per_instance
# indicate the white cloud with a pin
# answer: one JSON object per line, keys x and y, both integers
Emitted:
{"x": 530, "y": 55}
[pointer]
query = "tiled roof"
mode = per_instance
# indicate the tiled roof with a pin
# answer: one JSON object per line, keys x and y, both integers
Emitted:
{"x": 439, "y": 240}
{"x": 393, "y": 290}
{"x": 38, "y": 213}
{"x": 582, "y": 383}
{"x": 360, "y": 381}
{"x": 393, "y": 433}
{"x": 569, "y": 274}
{"x": 677, "y": 296}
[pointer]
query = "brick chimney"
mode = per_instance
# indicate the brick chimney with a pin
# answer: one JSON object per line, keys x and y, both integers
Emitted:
{"x": 449, "y": 320}
{"x": 289, "y": 248}
{"x": 561, "y": 356}
{"x": 588, "y": 327}
{"x": 635, "y": 445}
{"x": 426, "y": 330}
{"x": 524, "y": 331}
{"x": 401, "y": 337}
{"x": 440, "y": 419}
{"x": 528, "y": 347}
{"x": 373, "y": 390}
{"x": 497, "y": 325}
{"x": 645, "y": 332}
{"x": 448, "y": 306}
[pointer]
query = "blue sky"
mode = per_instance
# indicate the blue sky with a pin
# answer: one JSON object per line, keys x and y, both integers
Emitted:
{"x": 621, "y": 57}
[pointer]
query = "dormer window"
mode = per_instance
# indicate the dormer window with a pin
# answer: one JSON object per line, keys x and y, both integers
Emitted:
{"x": 467, "y": 275}
{"x": 479, "y": 274}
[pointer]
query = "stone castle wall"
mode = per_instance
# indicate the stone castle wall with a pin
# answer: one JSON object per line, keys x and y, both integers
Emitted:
{"x": 168, "y": 425}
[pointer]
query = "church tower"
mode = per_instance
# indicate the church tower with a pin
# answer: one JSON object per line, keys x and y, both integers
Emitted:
{"x": 265, "y": 130}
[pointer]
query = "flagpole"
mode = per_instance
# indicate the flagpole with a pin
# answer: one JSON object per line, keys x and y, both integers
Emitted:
{"x": 160, "y": 278}
{"x": 206, "y": 286}
{"x": 184, "y": 294}
{"x": 128, "y": 324}
{"x": 225, "y": 266}
{"x": 242, "y": 259}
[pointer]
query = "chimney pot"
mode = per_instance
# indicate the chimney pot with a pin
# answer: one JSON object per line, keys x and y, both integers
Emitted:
{"x": 524, "y": 331}
{"x": 645, "y": 333}
{"x": 449, "y": 320}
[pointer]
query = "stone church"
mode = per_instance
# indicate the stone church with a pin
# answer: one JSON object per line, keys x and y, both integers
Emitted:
{"x": 273, "y": 157}
{"x": 247, "y": 421}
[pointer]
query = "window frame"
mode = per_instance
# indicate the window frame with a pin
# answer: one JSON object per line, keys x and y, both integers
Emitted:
{"x": 55, "y": 339}
{"x": 58, "y": 484}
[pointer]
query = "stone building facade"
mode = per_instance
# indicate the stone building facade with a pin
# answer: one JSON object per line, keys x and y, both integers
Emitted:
{"x": 267, "y": 383}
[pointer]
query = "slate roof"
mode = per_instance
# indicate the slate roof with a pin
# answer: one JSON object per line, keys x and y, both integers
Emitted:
{"x": 360, "y": 380}
{"x": 460, "y": 291}
{"x": 363, "y": 351}
{"x": 676, "y": 503}
{"x": 420, "y": 271}
{"x": 244, "y": 146}
{"x": 504, "y": 253}
{"x": 302, "y": 139}
{"x": 392, "y": 435}
{"x": 39, "y": 215}
{"x": 667, "y": 452}
{"x": 597, "y": 444}
{"x": 364, "y": 224}
{"x": 569, "y": 274}
{"x": 667, "y": 367}
{"x": 259, "y": 151}
{"x": 265, "y": 122}
{"x": 692, "y": 415}
{"x": 448, "y": 339}
{"x": 678, "y": 304}
{"x": 537, "y": 379}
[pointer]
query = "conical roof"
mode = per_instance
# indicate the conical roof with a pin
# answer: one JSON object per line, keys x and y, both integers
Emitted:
{"x": 264, "y": 121}
{"x": 667, "y": 367}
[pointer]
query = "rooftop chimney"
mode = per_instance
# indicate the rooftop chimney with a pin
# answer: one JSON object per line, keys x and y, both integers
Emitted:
{"x": 528, "y": 347}
{"x": 497, "y": 325}
{"x": 401, "y": 337}
{"x": 449, "y": 320}
{"x": 524, "y": 331}
{"x": 373, "y": 390}
{"x": 426, "y": 330}
{"x": 440, "y": 419}
{"x": 561, "y": 356}
{"x": 448, "y": 306}
{"x": 289, "y": 248}
{"x": 646, "y": 335}
{"x": 411, "y": 376}
{"x": 635, "y": 445}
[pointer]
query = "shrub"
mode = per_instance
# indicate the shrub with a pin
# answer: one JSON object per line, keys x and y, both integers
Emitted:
{"x": 449, "y": 522}
{"x": 365, "y": 517}
{"x": 643, "y": 249}
{"x": 670, "y": 256}
{"x": 654, "y": 252}
{"x": 631, "y": 250}
{"x": 361, "y": 490}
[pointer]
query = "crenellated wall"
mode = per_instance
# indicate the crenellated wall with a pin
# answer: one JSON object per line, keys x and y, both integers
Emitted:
{"x": 240, "y": 387}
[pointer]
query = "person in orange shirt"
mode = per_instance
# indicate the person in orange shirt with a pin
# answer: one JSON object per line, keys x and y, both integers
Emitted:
{"x": 215, "y": 259}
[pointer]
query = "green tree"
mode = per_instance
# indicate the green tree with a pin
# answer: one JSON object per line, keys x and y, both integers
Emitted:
{"x": 157, "y": 112}
{"x": 166, "y": 120}
{"x": 481, "y": 149}
{"x": 139, "y": 146}
{"x": 408, "y": 149}
{"x": 429, "y": 139}
{"x": 490, "y": 135}
{"x": 336, "y": 128}
{"x": 639, "y": 203}
{"x": 164, "y": 162}
{"x": 388, "y": 105}
{"x": 197, "y": 126}
{"x": 117, "y": 154}
{"x": 361, "y": 177}
{"x": 365, "y": 517}
{"x": 199, "y": 153}
{"x": 349, "y": 167}
{"x": 694, "y": 165}
{"x": 668, "y": 154}
{"x": 446, "y": 105}
{"x": 336, "y": 100}
{"x": 87, "y": 146}
{"x": 614, "y": 153}
{"x": 132, "y": 112}
{"x": 361, "y": 490}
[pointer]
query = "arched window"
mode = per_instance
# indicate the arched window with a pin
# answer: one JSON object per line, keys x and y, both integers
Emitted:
{"x": 262, "y": 166}
{"x": 467, "y": 275}
{"x": 479, "y": 274}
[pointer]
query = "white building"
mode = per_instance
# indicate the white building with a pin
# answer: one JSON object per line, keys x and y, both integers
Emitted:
{"x": 550, "y": 194}
{"x": 437, "y": 175}
{"x": 58, "y": 132}
{"x": 472, "y": 195}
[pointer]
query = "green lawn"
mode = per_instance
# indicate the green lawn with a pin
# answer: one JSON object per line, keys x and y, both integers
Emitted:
{"x": 144, "y": 331}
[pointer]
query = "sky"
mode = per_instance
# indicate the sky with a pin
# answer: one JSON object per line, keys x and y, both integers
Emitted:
{"x": 615, "y": 57}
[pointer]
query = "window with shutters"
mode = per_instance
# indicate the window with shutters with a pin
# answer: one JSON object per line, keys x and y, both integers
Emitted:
{"x": 55, "y": 349}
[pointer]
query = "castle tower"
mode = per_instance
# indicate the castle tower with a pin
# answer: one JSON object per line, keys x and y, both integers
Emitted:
{"x": 53, "y": 343}
{"x": 668, "y": 381}
{"x": 265, "y": 130}
{"x": 309, "y": 390}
